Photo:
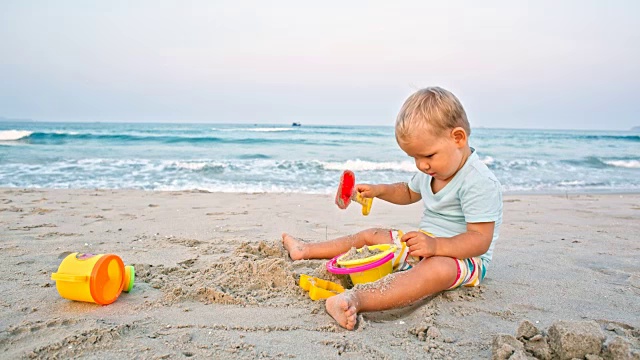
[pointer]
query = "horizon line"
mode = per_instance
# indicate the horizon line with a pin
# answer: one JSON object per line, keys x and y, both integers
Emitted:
{"x": 290, "y": 124}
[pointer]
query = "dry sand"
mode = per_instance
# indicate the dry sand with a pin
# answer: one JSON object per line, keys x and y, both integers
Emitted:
{"x": 213, "y": 280}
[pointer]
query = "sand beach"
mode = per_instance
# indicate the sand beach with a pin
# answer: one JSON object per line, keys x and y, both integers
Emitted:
{"x": 213, "y": 280}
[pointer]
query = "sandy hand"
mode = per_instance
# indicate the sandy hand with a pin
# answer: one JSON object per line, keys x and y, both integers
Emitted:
{"x": 420, "y": 244}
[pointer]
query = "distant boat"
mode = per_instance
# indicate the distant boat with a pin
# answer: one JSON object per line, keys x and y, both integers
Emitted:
{"x": 296, "y": 124}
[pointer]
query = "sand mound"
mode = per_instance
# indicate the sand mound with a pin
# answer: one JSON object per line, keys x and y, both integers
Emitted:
{"x": 255, "y": 275}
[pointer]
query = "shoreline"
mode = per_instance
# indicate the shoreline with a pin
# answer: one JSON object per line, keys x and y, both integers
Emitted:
{"x": 504, "y": 193}
{"x": 214, "y": 281}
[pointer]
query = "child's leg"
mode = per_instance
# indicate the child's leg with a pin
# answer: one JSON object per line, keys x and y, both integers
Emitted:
{"x": 428, "y": 277}
{"x": 327, "y": 249}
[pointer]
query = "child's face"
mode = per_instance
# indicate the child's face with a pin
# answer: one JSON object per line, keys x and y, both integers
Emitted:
{"x": 440, "y": 156}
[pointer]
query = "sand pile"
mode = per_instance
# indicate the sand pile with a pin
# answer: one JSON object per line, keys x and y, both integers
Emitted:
{"x": 256, "y": 274}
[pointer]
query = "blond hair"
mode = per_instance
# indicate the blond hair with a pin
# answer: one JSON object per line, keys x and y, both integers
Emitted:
{"x": 434, "y": 108}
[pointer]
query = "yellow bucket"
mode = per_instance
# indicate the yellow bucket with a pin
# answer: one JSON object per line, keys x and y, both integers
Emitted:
{"x": 93, "y": 278}
{"x": 371, "y": 268}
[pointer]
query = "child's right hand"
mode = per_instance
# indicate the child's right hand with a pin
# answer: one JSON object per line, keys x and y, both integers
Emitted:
{"x": 367, "y": 190}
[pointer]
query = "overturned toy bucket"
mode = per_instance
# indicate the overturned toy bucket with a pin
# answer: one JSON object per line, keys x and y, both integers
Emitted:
{"x": 93, "y": 278}
{"x": 365, "y": 270}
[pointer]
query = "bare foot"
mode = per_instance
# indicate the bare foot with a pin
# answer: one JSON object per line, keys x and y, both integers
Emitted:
{"x": 295, "y": 247}
{"x": 343, "y": 309}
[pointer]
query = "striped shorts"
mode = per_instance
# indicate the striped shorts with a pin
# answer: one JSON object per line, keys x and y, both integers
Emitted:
{"x": 471, "y": 271}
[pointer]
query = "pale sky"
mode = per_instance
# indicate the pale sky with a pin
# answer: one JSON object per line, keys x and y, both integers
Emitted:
{"x": 514, "y": 64}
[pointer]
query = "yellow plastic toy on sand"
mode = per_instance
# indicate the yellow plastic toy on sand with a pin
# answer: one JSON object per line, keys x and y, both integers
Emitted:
{"x": 93, "y": 278}
{"x": 318, "y": 288}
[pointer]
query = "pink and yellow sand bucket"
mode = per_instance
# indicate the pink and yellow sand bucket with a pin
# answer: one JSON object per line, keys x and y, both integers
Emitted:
{"x": 365, "y": 270}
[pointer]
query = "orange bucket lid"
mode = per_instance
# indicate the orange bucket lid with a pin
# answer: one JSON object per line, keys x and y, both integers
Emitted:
{"x": 107, "y": 279}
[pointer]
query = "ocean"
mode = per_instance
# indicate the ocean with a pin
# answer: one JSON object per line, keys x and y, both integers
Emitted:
{"x": 260, "y": 158}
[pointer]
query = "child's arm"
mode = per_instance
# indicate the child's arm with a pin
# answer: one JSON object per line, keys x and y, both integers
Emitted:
{"x": 474, "y": 242}
{"x": 398, "y": 193}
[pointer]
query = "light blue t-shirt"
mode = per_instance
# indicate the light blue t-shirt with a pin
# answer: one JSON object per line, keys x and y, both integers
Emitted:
{"x": 473, "y": 195}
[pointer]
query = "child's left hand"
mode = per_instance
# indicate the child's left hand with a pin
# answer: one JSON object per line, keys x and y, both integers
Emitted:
{"x": 420, "y": 244}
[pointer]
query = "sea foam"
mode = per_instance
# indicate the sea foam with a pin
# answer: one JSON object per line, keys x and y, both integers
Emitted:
{"x": 361, "y": 165}
{"x": 631, "y": 164}
{"x": 12, "y": 135}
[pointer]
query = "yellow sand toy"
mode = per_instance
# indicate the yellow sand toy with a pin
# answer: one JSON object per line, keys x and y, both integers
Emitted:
{"x": 347, "y": 192}
{"x": 93, "y": 278}
{"x": 318, "y": 288}
{"x": 368, "y": 269}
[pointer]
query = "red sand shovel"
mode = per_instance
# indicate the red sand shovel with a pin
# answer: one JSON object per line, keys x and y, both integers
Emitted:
{"x": 347, "y": 192}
